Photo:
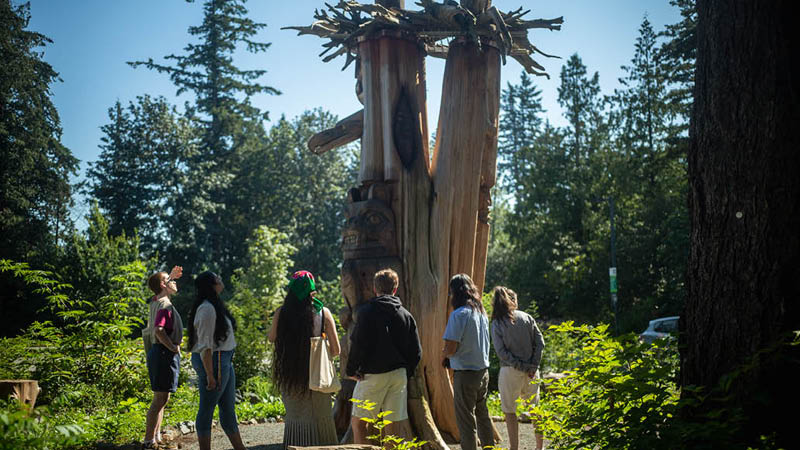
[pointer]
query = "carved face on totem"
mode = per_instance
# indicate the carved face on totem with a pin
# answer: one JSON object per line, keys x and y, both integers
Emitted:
{"x": 368, "y": 242}
{"x": 369, "y": 228}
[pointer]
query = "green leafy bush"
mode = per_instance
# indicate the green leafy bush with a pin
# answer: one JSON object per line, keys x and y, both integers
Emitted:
{"x": 620, "y": 394}
{"x": 19, "y": 429}
{"x": 258, "y": 289}
{"x": 92, "y": 374}
{"x": 493, "y": 403}
{"x": 88, "y": 342}
{"x": 562, "y": 350}
{"x": 261, "y": 400}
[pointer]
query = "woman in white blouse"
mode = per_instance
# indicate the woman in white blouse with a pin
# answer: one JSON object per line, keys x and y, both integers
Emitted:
{"x": 212, "y": 343}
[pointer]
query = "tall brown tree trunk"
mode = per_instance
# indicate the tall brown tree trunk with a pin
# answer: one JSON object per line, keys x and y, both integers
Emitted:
{"x": 744, "y": 169}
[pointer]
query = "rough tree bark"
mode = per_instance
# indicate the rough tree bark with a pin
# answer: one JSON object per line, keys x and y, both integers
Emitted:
{"x": 744, "y": 170}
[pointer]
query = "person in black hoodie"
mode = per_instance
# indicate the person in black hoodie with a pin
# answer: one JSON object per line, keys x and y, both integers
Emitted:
{"x": 384, "y": 351}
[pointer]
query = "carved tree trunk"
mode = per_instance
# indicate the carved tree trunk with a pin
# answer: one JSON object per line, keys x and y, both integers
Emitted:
{"x": 439, "y": 206}
{"x": 463, "y": 170}
{"x": 465, "y": 158}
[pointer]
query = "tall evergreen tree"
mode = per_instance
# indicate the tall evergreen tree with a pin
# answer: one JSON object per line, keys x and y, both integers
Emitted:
{"x": 579, "y": 95}
{"x": 35, "y": 170}
{"x": 211, "y": 215}
{"x": 552, "y": 259}
{"x": 678, "y": 55}
{"x": 742, "y": 310}
{"x": 645, "y": 116}
{"x": 301, "y": 193}
{"x": 650, "y": 185}
{"x": 35, "y": 167}
{"x": 520, "y": 123}
{"x": 135, "y": 179}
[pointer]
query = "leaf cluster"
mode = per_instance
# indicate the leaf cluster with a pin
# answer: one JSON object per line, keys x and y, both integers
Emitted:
{"x": 621, "y": 394}
{"x": 20, "y": 429}
{"x": 88, "y": 342}
{"x": 386, "y": 441}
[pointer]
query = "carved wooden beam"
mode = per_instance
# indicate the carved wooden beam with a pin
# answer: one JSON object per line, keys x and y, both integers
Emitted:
{"x": 344, "y": 132}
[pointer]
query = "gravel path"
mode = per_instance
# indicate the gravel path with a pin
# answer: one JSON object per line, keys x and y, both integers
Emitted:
{"x": 268, "y": 436}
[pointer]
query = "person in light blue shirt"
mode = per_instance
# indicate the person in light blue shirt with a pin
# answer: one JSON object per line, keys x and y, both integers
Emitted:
{"x": 466, "y": 351}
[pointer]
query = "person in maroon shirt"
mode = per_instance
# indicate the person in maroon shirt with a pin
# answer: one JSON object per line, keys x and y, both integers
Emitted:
{"x": 162, "y": 339}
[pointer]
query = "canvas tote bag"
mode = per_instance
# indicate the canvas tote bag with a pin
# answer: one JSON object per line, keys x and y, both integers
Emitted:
{"x": 321, "y": 371}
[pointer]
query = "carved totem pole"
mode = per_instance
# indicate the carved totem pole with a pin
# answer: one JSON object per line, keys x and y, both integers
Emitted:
{"x": 426, "y": 217}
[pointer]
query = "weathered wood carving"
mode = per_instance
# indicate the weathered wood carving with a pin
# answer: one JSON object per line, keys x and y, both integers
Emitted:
{"x": 438, "y": 205}
{"x": 25, "y": 391}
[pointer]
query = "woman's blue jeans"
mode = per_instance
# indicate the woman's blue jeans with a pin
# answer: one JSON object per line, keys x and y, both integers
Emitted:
{"x": 224, "y": 395}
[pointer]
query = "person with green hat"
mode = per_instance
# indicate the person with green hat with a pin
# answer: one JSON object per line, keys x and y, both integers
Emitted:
{"x": 309, "y": 417}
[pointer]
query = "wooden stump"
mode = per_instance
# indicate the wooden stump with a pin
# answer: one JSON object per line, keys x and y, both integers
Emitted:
{"x": 25, "y": 391}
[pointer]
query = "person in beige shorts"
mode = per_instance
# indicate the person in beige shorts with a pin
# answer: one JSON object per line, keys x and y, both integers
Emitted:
{"x": 389, "y": 392}
{"x": 518, "y": 344}
{"x": 384, "y": 351}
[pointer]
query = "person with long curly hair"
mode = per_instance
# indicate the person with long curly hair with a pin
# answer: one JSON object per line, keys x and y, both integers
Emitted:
{"x": 518, "y": 344}
{"x": 309, "y": 417}
{"x": 466, "y": 351}
{"x": 212, "y": 343}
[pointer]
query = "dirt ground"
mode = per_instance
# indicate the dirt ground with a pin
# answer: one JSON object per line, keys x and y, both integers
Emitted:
{"x": 268, "y": 436}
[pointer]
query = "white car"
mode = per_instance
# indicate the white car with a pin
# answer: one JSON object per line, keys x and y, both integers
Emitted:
{"x": 659, "y": 328}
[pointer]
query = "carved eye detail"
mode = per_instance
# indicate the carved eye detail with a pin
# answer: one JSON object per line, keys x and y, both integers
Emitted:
{"x": 375, "y": 219}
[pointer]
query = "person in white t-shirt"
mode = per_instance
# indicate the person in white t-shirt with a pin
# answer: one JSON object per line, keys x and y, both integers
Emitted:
{"x": 212, "y": 343}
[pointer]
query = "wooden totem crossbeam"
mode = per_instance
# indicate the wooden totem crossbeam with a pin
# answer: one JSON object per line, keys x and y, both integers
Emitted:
{"x": 424, "y": 213}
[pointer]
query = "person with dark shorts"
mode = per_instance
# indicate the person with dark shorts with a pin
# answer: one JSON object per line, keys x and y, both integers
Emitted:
{"x": 162, "y": 340}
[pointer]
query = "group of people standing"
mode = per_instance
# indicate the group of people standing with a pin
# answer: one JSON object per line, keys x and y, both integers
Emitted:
{"x": 384, "y": 352}
{"x": 518, "y": 343}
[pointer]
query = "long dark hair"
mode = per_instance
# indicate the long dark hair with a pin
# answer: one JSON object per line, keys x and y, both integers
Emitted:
{"x": 292, "y": 349}
{"x": 504, "y": 305}
{"x": 204, "y": 291}
{"x": 463, "y": 292}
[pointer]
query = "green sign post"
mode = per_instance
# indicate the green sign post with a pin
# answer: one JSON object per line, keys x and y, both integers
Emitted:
{"x": 612, "y": 278}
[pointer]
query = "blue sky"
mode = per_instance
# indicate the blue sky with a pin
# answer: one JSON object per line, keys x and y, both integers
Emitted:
{"x": 94, "y": 38}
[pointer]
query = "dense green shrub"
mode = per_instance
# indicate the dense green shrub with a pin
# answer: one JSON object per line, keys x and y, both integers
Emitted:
{"x": 258, "y": 288}
{"x": 20, "y": 429}
{"x": 88, "y": 342}
{"x": 620, "y": 394}
{"x": 562, "y": 350}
